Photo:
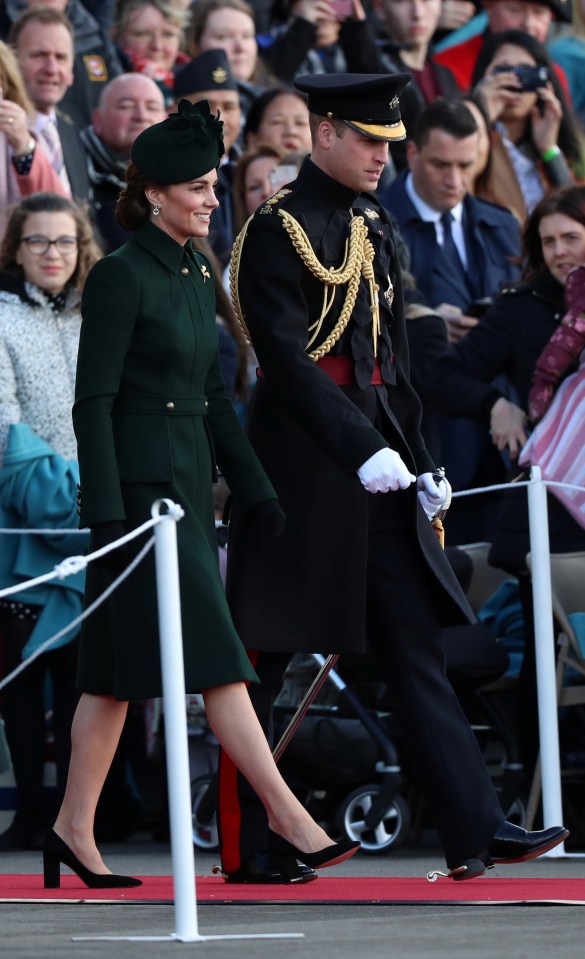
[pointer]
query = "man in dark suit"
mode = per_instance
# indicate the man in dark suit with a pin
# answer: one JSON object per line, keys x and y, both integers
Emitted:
{"x": 462, "y": 249}
{"x": 335, "y": 423}
{"x": 95, "y": 61}
{"x": 43, "y": 42}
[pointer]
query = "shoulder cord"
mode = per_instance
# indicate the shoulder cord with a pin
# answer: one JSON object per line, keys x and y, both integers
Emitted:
{"x": 357, "y": 262}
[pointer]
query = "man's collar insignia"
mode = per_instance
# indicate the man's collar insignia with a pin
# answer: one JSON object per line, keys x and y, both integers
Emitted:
{"x": 267, "y": 208}
{"x": 371, "y": 214}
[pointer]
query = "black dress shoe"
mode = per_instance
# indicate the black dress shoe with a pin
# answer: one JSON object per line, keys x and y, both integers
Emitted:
{"x": 510, "y": 844}
{"x": 55, "y": 852}
{"x": 271, "y": 868}
{"x": 513, "y": 844}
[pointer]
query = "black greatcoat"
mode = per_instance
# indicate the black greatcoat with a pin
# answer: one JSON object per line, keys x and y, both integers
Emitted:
{"x": 308, "y": 591}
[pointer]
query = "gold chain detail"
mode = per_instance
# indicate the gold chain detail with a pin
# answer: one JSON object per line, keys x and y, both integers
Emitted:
{"x": 234, "y": 274}
{"x": 357, "y": 262}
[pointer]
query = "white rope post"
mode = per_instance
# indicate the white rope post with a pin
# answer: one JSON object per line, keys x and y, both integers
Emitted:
{"x": 552, "y": 805}
{"x": 175, "y": 720}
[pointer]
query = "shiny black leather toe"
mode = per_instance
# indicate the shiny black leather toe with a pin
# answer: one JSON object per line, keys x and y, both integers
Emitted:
{"x": 273, "y": 869}
{"x": 514, "y": 844}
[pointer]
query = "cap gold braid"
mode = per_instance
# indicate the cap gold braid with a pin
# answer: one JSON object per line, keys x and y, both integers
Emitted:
{"x": 357, "y": 262}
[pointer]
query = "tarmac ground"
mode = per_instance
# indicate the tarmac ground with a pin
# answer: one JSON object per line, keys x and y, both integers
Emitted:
{"x": 414, "y": 931}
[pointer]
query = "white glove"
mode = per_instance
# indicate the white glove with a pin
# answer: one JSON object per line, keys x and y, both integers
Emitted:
{"x": 385, "y": 471}
{"x": 433, "y": 497}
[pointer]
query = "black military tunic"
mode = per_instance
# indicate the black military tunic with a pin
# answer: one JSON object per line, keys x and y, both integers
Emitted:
{"x": 352, "y": 568}
{"x": 313, "y": 435}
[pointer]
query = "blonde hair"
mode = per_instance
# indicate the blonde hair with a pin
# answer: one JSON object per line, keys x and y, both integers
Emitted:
{"x": 11, "y": 81}
{"x": 176, "y": 15}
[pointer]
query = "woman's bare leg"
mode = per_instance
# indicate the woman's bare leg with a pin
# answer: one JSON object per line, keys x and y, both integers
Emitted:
{"x": 235, "y": 724}
{"x": 95, "y": 734}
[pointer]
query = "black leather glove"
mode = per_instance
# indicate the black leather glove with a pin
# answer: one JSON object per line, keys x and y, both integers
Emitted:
{"x": 265, "y": 521}
{"x": 102, "y": 534}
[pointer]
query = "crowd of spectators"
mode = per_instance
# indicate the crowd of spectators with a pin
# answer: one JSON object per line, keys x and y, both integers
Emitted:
{"x": 494, "y": 116}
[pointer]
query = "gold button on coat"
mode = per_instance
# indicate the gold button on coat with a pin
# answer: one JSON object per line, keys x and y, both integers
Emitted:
{"x": 170, "y": 405}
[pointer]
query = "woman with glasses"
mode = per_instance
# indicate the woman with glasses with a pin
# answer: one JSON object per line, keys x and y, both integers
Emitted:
{"x": 148, "y": 34}
{"x": 47, "y": 251}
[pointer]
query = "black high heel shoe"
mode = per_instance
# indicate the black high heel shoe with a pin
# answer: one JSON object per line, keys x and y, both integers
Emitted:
{"x": 55, "y": 852}
{"x": 329, "y": 856}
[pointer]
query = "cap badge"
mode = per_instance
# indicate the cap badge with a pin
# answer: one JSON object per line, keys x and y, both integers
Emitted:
{"x": 219, "y": 75}
{"x": 394, "y": 103}
{"x": 371, "y": 214}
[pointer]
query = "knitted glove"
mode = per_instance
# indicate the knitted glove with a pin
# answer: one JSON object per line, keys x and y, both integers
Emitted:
{"x": 575, "y": 290}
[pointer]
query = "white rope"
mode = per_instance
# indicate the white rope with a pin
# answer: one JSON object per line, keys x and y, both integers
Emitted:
{"x": 79, "y": 619}
{"x": 520, "y": 483}
{"x": 76, "y": 564}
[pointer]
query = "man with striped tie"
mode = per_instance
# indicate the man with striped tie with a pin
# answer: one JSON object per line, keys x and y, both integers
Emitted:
{"x": 43, "y": 43}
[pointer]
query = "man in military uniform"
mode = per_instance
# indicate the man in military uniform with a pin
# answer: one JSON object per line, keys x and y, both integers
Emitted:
{"x": 335, "y": 421}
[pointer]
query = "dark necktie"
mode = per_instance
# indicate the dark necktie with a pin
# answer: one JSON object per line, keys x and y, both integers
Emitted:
{"x": 449, "y": 249}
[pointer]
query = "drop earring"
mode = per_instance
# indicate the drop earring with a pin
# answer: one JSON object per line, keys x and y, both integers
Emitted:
{"x": 156, "y": 209}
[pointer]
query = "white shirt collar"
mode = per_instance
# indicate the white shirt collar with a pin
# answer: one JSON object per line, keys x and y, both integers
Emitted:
{"x": 426, "y": 212}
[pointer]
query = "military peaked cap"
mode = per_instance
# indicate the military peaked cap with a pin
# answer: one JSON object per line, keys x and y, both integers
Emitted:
{"x": 366, "y": 102}
{"x": 209, "y": 71}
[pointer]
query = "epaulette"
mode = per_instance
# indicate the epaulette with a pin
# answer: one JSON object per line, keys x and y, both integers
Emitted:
{"x": 273, "y": 201}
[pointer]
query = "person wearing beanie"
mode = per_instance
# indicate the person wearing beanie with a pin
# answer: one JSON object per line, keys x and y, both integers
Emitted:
{"x": 153, "y": 421}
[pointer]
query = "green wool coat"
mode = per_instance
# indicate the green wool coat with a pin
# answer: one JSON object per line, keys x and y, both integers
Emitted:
{"x": 152, "y": 420}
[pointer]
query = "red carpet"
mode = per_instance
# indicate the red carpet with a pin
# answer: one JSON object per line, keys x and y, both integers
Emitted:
{"x": 212, "y": 889}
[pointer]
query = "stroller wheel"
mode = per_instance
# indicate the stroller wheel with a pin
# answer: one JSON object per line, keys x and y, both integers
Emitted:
{"x": 392, "y": 829}
{"x": 204, "y": 832}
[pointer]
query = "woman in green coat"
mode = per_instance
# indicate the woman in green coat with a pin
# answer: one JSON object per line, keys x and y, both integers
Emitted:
{"x": 152, "y": 419}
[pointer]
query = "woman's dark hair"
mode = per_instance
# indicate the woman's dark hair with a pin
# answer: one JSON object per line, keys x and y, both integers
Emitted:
{"x": 569, "y": 141}
{"x": 88, "y": 251}
{"x": 483, "y": 178}
{"x": 568, "y": 200}
{"x": 132, "y": 208}
{"x": 260, "y": 104}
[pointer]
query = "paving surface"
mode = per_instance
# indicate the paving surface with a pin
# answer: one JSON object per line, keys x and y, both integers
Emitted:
{"x": 46, "y": 931}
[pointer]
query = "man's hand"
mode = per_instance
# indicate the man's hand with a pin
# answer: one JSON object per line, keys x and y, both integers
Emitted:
{"x": 458, "y": 323}
{"x": 508, "y": 426}
{"x": 384, "y": 471}
{"x": 432, "y": 495}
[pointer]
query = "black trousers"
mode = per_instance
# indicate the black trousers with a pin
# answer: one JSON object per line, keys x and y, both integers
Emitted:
{"x": 23, "y": 705}
{"x": 404, "y": 632}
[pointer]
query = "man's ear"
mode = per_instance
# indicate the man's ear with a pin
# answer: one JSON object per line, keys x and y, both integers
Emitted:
{"x": 325, "y": 134}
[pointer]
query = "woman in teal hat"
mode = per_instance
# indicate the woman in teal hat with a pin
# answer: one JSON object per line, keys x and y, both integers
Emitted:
{"x": 152, "y": 420}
